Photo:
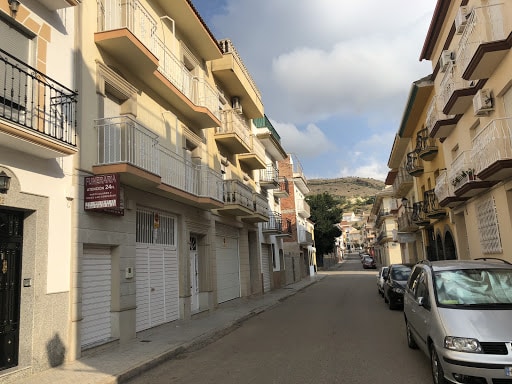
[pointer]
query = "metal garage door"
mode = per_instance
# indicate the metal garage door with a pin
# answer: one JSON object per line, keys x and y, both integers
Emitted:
{"x": 265, "y": 266}
{"x": 157, "y": 286}
{"x": 228, "y": 269}
{"x": 96, "y": 295}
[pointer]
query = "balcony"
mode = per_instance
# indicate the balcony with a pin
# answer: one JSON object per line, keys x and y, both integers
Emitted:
{"x": 239, "y": 200}
{"x": 234, "y": 78}
{"x": 127, "y": 32}
{"x": 299, "y": 179}
{"x": 427, "y": 147}
{"x": 403, "y": 183}
{"x": 37, "y": 114}
{"x": 445, "y": 192}
{"x": 269, "y": 138}
{"x": 419, "y": 214}
{"x": 269, "y": 177}
{"x": 255, "y": 158}
{"x": 463, "y": 177}
{"x": 406, "y": 224}
{"x": 433, "y": 209}
{"x": 234, "y": 134}
{"x": 274, "y": 225}
{"x": 486, "y": 40}
{"x": 492, "y": 150}
{"x": 260, "y": 212}
{"x": 438, "y": 124}
{"x": 303, "y": 209}
{"x": 414, "y": 164}
{"x": 287, "y": 229}
{"x": 283, "y": 190}
{"x": 384, "y": 236}
{"x": 304, "y": 237}
{"x": 128, "y": 148}
{"x": 457, "y": 93}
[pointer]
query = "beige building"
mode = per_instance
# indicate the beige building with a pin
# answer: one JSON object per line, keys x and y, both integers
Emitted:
{"x": 386, "y": 250}
{"x": 150, "y": 194}
{"x": 469, "y": 45}
{"x": 417, "y": 161}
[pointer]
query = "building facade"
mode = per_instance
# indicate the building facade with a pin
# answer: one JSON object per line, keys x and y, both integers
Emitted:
{"x": 38, "y": 144}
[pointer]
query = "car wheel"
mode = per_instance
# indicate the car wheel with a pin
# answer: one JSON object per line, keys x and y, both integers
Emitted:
{"x": 385, "y": 298}
{"x": 411, "y": 343}
{"x": 391, "y": 304}
{"x": 435, "y": 365}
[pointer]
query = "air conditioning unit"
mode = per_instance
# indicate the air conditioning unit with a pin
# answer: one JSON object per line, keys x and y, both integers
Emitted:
{"x": 461, "y": 19}
{"x": 235, "y": 104}
{"x": 446, "y": 58}
{"x": 482, "y": 102}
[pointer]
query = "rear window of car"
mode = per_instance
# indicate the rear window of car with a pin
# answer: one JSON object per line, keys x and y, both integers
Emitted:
{"x": 400, "y": 272}
{"x": 474, "y": 287}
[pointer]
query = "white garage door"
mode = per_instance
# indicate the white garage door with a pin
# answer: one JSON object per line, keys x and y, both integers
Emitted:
{"x": 157, "y": 285}
{"x": 228, "y": 269}
{"x": 265, "y": 266}
{"x": 96, "y": 295}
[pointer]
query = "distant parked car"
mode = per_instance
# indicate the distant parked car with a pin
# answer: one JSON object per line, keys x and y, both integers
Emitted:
{"x": 369, "y": 262}
{"x": 459, "y": 313}
{"x": 395, "y": 283}
{"x": 381, "y": 277}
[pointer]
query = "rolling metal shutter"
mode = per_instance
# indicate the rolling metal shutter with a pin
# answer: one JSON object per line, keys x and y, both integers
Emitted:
{"x": 265, "y": 266}
{"x": 96, "y": 296}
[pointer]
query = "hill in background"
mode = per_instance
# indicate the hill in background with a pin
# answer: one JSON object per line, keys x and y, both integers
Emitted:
{"x": 354, "y": 193}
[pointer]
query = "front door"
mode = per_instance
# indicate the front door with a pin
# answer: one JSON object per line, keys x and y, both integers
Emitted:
{"x": 11, "y": 242}
{"x": 194, "y": 275}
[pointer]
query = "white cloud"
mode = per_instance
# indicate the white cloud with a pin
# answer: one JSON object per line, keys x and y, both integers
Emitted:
{"x": 375, "y": 170}
{"x": 305, "y": 143}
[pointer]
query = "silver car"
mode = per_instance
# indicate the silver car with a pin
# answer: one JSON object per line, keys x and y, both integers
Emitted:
{"x": 459, "y": 313}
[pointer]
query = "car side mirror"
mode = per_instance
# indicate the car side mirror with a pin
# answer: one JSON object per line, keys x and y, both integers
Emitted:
{"x": 423, "y": 302}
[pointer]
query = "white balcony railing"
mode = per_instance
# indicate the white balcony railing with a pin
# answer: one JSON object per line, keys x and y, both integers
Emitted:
{"x": 451, "y": 82}
{"x": 233, "y": 122}
{"x": 485, "y": 24}
{"x": 122, "y": 139}
{"x": 257, "y": 147}
{"x": 303, "y": 208}
{"x": 235, "y": 192}
{"x": 443, "y": 189}
{"x": 435, "y": 113}
{"x": 462, "y": 170}
{"x": 132, "y": 15}
{"x": 492, "y": 144}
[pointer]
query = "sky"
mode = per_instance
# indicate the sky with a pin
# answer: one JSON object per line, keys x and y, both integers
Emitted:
{"x": 334, "y": 74}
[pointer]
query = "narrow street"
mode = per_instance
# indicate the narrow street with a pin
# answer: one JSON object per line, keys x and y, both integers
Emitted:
{"x": 336, "y": 331}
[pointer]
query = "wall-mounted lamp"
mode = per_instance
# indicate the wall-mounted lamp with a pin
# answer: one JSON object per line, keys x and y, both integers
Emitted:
{"x": 5, "y": 182}
{"x": 14, "y": 5}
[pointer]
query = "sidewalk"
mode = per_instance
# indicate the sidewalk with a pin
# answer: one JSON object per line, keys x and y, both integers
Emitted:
{"x": 119, "y": 363}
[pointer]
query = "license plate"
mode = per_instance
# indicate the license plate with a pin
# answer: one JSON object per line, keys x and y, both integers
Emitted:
{"x": 508, "y": 371}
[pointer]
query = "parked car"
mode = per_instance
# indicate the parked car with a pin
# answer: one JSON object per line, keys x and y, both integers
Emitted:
{"x": 459, "y": 313}
{"x": 369, "y": 262}
{"x": 381, "y": 277}
{"x": 394, "y": 285}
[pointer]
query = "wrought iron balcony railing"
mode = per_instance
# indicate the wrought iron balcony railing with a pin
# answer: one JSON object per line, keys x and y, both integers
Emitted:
{"x": 35, "y": 101}
{"x": 432, "y": 208}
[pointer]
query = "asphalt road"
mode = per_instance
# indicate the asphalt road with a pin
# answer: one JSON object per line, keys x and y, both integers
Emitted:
{"x": 335, "y": 331}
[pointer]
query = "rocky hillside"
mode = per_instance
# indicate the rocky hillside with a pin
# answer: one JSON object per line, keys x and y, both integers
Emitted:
{"x": 355, "y": 193}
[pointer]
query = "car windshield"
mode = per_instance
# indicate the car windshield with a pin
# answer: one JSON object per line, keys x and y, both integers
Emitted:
{"x": 474, "y": 287}
{"x": 401, "y": 272}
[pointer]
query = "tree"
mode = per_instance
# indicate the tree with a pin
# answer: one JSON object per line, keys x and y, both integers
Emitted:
{"x": 325, "y": 213}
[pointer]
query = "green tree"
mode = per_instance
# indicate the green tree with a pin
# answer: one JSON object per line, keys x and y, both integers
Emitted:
{"x": 325, "y": 213}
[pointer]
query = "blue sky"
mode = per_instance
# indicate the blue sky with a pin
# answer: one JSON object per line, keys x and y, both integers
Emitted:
{"x": 334, "y": 74}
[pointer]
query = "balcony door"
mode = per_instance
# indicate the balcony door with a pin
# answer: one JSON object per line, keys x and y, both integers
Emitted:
{"x": 13, "y": 79}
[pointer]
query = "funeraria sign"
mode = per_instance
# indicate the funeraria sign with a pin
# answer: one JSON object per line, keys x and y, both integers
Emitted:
{"x": 103, "y": 193}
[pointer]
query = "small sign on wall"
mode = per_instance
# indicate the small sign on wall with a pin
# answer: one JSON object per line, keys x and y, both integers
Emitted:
{"x": 103, "y": 193}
